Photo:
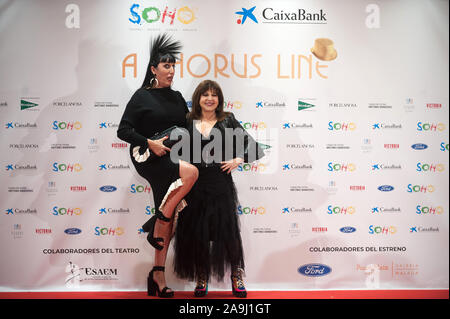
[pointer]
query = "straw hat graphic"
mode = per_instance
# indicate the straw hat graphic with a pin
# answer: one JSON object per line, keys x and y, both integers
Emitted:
{"x": 324, "y": 49}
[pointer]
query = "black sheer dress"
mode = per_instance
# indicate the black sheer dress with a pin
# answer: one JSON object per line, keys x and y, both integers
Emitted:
{"x": 207, "y": 236}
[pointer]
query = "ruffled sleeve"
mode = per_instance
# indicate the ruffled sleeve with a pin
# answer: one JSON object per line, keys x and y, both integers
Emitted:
{"x": 251, "y": 150}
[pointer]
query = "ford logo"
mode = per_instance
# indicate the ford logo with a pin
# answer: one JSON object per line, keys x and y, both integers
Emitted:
{"x": 72, "y": 231}
{"x": 347, "y": 229}
{"x": 419, "y": 146}
{"x": 385, "y": 188}
{"x": 314, "y": 270}
{"x": 108, "y": 188}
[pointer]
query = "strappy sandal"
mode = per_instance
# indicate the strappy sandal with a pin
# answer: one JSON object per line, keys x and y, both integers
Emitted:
{"x": 153, "y": 288}
{"x": 149, "y": 227}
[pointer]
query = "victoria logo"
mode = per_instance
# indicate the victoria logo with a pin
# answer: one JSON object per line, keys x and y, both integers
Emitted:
{"x": 314, "y": 270}
{"x": 385, "y": 188}
{"x": 244, "y": 14}
{"x": 108, "y": 188}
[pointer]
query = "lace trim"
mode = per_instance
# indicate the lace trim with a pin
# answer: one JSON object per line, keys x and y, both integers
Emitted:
{"x": 140, "y": 157}
{"x": 180, "y": 206}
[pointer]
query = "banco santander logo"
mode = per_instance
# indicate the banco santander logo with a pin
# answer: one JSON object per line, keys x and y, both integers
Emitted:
{"x": 244, "y": 14}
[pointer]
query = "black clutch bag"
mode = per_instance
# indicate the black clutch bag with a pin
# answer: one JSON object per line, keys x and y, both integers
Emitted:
{"x": 174, "y": 133}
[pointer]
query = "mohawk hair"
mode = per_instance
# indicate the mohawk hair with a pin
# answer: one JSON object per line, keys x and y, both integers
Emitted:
{"x": 163, "y": 49}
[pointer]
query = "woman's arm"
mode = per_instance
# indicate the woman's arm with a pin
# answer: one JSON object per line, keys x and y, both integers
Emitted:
{"x": 126, "y": 130}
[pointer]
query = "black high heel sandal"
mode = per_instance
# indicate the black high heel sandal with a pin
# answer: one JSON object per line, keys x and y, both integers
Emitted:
{"x": 149, "y": 227}
{"x": 153, "y": 288}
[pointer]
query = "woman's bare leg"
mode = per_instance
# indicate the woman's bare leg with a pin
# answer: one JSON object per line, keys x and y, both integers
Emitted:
{"x": 188, "y": 175}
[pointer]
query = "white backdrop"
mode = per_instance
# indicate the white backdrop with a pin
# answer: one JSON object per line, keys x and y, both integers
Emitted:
{"x": 355, "y": 181}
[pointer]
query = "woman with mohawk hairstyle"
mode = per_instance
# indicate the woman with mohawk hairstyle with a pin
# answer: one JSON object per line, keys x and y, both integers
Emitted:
{"x": 153, "y": 108}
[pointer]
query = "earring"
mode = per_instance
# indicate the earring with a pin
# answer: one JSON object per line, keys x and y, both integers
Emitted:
{"x": 152, "y": 82}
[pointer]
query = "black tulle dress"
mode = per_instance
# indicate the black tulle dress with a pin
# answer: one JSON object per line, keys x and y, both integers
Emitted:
{"x": 207, "y": 236}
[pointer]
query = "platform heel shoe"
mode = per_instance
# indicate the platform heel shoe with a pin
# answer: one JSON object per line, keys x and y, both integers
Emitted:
{"x": 237, "y": 285}
{"x": 153, "y": 288}
{"x": 201, "y": 289}
{"x": 149, "y": 227}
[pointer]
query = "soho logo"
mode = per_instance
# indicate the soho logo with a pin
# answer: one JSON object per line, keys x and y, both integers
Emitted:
{"x": 66, "y": 167}
{"x": 385, "y": 230}
{"x": 420, "y": 188}
{"x": 251, "y": 210}
{"x": 430, "y": 127}
{"x": 340, "y": 210}
{"x": 232, "y": 105}
{"x": 185, "y": 15}
{"x": 253, "y": 125}
{"x": 429, "y": 210}
{"x": 253, "y": 167}
{"x": 332, "y": 126}
{"x": 57, "y": 211}
{"x": 336, "y": 167}
{"x": 430, "y": 167}
{"x": 66, "y": 125}
{"x": 108, "y": 231}
{"x": 140, "y": 189}
{"x": 149, "y": 210}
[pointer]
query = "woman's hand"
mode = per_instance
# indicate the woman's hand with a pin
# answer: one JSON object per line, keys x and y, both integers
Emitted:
{"x": 231, "y": 164}
{"x": 157, "y": 146}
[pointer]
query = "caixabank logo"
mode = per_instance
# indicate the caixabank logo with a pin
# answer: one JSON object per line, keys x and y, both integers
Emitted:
{"x": 279, "y": 15}
{"x": 244, "y": 14}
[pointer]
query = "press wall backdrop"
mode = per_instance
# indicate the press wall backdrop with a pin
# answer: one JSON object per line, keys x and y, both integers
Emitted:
{"x": 349, "y": 99}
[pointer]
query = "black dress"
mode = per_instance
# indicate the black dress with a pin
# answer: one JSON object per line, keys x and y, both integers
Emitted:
{"x": 150, "y": 111}
{"x": 207, "y": 236}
